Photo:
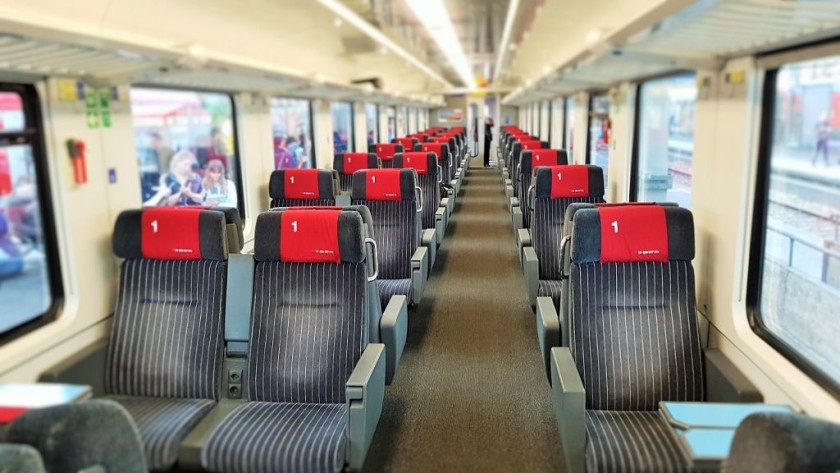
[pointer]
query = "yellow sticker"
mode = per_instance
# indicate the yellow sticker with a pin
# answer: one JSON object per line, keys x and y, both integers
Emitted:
{"x": 68, "y": 90}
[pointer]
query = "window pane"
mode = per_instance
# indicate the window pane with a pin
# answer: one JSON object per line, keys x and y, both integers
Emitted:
{"x": 598, "y": 150}
{"x": 25, "y": 292}
{"x": 800, "y": 281}
{"x": 392, "y": 123}
{"x": 570, "y": 127}
{"x": 402, "y": 122}
{"x": 342, "y": 121}
{"x": 372, "y": 114}
{"x": 11, "y": 112}
{"x": 666, "y": 140}
{"x": 292, "y": 132}
{"x": 185, "y": 147}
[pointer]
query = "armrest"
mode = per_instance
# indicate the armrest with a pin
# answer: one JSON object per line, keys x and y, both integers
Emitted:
{"x": 394, "y": 332}
{"x": 365, "y": 397}
{"x": 508, "y": 191}
{"x": 84, "y": 367}
{"x": 569, "y": 403}
{"x": 523, "y": 240}
{"x": 342, "y": 200}
{"x": 531, "y": 271}
{"x": 516, "y": 217}
{"x": 440, "y": 223}
{"x": 189, "y": 453}
{"x": 419, "y": 273}
{"x": 548, "y": 330}
{"x": 430, "y": 241}
{"x": 725, "y": 382}
{"x": 512, "y": 201}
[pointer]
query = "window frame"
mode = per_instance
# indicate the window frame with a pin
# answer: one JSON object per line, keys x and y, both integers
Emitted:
{"x": 590, "y": 101}
{"x": 548, "y": 138}
{"x": 33, "y": 135}
{"x": 240, "y": 186}
{"x": 758, "y": 239}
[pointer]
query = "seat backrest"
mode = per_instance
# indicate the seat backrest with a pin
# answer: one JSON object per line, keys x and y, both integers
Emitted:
{"x": 233, "y": 226}
{"x": 631, "y": 317}
{"x": 555, "y": 188}
{"x": 391, "y": 196}
{"x": 428, "y": 177}
{"x": 516, "y": 155}
{"x": 171, "y": 294}
{"x": 529, "y": 160}
{"x": 308, "y": 320}
{"x": 407, "y": 142}
{"x": 302, "y": 187}
{"x": 446, "y": 159}
{"x": 348, "y": 163}
{"x": 386, "y": 151}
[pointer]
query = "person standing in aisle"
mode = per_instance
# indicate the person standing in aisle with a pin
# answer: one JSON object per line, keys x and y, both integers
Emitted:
{"x": 488, "y": 139}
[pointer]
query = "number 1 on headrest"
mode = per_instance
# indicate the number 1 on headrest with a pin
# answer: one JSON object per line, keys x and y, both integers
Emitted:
{"x": 154, "y": 226}
{"x": 615, "y": 225}
{"x": 294, "y": 226}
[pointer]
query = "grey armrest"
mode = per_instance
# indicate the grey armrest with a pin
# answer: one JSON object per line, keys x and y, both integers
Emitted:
{"x": 419, "y": 273}
{"x": 725, "y": 382}
{"x": 508, "y": 192}
{"x": 569, "y": 403}
{"x": 342, "y": 200}
{"x": 531, "y": 270}
{"x": 440, "y": 223}
{"x": 548, "y": 330}
{"x": 516, "y": 217}
{"x": 84, "y": 367}
{"x": 189, "y": 453}
{"x": 456, "y": 184}
{"x": 429, "y": 239}
{"x": 523, "y": 240}
{"x": 394, "y": 331}
{"x": 365, "y": 397}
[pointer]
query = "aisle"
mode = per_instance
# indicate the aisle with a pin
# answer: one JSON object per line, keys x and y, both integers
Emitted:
{"x": 471, "y": 394}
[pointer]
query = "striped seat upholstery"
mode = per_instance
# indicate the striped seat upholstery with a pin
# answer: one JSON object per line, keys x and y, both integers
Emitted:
{"x": 385, "y": 152}
{"x": 633, "y": 330}
{"x": 165, "y": 355}
{"x": 303, "y": 187}
{"x": 346, "y": 164}
{"x": 397, "y": 227}
{"x": 547, "y": 229}
{"x": 428, "y": 179}
{"x": 530, "y": 160}
{"x": 631, "y": 441}
{"x": 308, "y": 331}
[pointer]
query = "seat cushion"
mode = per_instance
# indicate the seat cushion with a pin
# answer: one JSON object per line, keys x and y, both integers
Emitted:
{"x": 551, "y": 288}
{"x": 273, "y": 437}
{"x": 638, "y": 441}
{"x": 163, "y": 423}
{"x": 393, "y": 287}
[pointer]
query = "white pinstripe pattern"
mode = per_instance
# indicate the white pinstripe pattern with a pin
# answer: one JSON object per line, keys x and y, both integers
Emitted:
{"x": 391, "y": 287}
{"x": 301, "y": 202}
{"x": 550, "y": 288}
{"x": 431, "y": 196}
{"x": 397, "y": 235}
{"x": 547, "y": 232}
{"x": 345, "y": 182}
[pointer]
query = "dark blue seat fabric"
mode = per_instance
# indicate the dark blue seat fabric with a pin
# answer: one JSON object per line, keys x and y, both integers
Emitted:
{"x": 392, "y": 287}
{"x": 345, "y": 164}
{"x": 425, "y": 164}
{"x": 530, "y": 160}
{"x": 303, "y": 187}
{"x": 631, "y": 441}
{"x": 550, "y": 288}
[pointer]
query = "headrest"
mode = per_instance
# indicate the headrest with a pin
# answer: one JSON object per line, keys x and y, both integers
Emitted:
{"x": 631, "y": 233}
{"x": 233, "y": 219}
{"x": 561, "y": 182}
{"x": 384, "y": 184}
{"x": 543, "y": 157}
{"x": 305, "y": 235}
{"x": 348, "y": 163}
{"x": 386, "y": 151}
{"x": 407, "y": 143}
{"x": 444, "y": 139}
{"x": 171, "y": 233}
{"x": 362, "y": 210}
{"x": 532, "y": 144}
{"x": 573, "y": 208}
{"x": 421, "y": 161}
{"x": 306, "y": 184}
{"x": 441, "y": 149}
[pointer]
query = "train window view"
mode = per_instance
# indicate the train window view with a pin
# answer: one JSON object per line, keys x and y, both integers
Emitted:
{"x": 402, "y": 121}
{"x": 372, "y": 119}
{"x": 291, "y": 127}
{"x": 342, "y": 121}
{"x": 25, "y": 292}
{"x": 598, "y": 148}
{"x": 185, "y": 147}
{"x": 800, "y": 281}
{"x": 392, "y": 122}
{"x": 666, "y": 139}
{"x": 570, "y": 128}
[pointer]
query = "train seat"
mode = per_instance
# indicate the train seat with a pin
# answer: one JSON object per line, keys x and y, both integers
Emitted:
{"x": 348, "y": 163}
{"x": 429, "y": 175}
{"x": 386, "y": 151}
{"x": 406, "y": 142}
{"x": 302, "y": 187}
{"x": 555, "y": 188}
{"x": 445, "y": 161}
{"x": 233, "y": 227}
{"x": 530, "y": 160}
{"x": 314, "y": 384}
{"x": 20, "y": 457}
{"x": 391, "y": 195}
{"x": 165, "y": 353}
{"x": 511, "y": 190}
{"x": 450, "y": 172}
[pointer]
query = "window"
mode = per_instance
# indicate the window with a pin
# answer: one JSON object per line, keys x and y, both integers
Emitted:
{"x": 291, "y": 126}
{"x": 598, "y": 136}
{"x": 402, "y": 122}
{"x": 794, "y": 288}
{"x": 342, "y": 121}
{"x": 372, "y": 116}
{"x": 186, "y": 148}
{"x": 392, "y": 123}
{"x": 547, "y": 124}
{"x": 665, "y": 142}
{"x": 30, "y": 286}
{"x": 569, "y": 142}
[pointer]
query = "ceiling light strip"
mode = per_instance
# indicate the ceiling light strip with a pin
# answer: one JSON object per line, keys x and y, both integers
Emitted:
{"x": 354, "y": 19}
{"x": 433, "y": 15}
{"x": 513, "y": 6}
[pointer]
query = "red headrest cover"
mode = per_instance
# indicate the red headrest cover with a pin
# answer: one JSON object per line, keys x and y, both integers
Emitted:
{"x": 633, "y": 233}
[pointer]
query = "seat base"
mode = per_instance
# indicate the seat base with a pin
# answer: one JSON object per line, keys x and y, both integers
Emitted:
{"x": 637, "y": 441}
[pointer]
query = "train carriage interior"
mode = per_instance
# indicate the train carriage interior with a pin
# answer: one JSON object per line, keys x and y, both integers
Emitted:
{"x": 419, "y": 236}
